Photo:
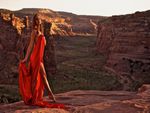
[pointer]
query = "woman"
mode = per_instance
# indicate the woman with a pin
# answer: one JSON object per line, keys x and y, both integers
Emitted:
{"x": 32, "y": 75}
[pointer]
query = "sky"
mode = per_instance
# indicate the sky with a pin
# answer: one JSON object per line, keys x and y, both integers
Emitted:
{"x": 81, "y": 7}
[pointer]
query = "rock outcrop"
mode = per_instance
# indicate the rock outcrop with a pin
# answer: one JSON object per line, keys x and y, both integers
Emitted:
{"x": 50, "y": 52}
{"x": 125, "y": 40}
{"x": 91, "y": 101}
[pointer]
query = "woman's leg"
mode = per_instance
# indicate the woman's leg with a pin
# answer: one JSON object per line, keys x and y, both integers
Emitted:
{"x": 44, "y": 77}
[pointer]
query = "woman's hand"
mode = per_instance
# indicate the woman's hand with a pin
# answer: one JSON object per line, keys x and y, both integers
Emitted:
{"x": 24, "y": 60}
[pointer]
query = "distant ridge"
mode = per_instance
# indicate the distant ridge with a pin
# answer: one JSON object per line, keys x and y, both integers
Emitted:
{"x": 38, "y": 10}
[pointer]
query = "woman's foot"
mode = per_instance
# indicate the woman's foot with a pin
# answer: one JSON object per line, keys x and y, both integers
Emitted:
{"x": 52, "y": 98}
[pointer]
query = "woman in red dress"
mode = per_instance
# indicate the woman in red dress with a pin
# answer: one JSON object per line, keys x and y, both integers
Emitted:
{"x": 32, "y": 75}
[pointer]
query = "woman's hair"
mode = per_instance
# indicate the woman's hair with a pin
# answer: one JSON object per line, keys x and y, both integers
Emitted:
{"x": 37, "y": 25}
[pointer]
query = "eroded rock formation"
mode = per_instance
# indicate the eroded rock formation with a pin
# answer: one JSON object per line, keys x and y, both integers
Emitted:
{"x": 63, "y": 24}
{"x": 125, "y": 40}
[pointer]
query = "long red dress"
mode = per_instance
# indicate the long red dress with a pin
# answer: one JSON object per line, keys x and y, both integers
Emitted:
{"x": 31, "y": 86}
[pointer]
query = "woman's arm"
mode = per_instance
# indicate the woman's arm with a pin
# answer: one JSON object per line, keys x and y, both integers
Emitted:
{"x": 30, "y": 47}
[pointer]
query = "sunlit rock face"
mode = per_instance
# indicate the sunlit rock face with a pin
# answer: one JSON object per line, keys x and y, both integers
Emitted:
{"x": 125, "y": 40}
{"x": 63, "y": 23}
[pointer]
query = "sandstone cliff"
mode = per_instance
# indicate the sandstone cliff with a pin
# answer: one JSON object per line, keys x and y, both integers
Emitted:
{"x": 9, "y": 37}
{"x": 125, "y": 40}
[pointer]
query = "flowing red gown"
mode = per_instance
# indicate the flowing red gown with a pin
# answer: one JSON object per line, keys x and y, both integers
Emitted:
{"x": 31, "y": 86}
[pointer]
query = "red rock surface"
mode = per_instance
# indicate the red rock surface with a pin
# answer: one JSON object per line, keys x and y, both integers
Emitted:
{"x": 125, "y": 40}
{"x": 91, "y": 101}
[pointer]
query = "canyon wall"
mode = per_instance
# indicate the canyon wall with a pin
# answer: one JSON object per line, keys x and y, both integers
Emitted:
{"x": 125, "y": 40}
{"x": 9, "y": 58}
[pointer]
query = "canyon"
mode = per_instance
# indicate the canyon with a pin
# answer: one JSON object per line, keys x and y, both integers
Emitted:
{"x": 78, "y": 62}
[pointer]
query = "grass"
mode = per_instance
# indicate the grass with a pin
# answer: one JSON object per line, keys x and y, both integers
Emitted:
{"x": 80, "y": 68}
{"x": 69, "y": 78}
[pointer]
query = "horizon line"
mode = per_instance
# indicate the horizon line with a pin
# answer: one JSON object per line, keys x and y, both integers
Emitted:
{"x": 73, "y": 12}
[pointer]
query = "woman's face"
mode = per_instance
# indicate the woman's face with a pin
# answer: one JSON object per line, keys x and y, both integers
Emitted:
{"x": 37, "y": 20}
